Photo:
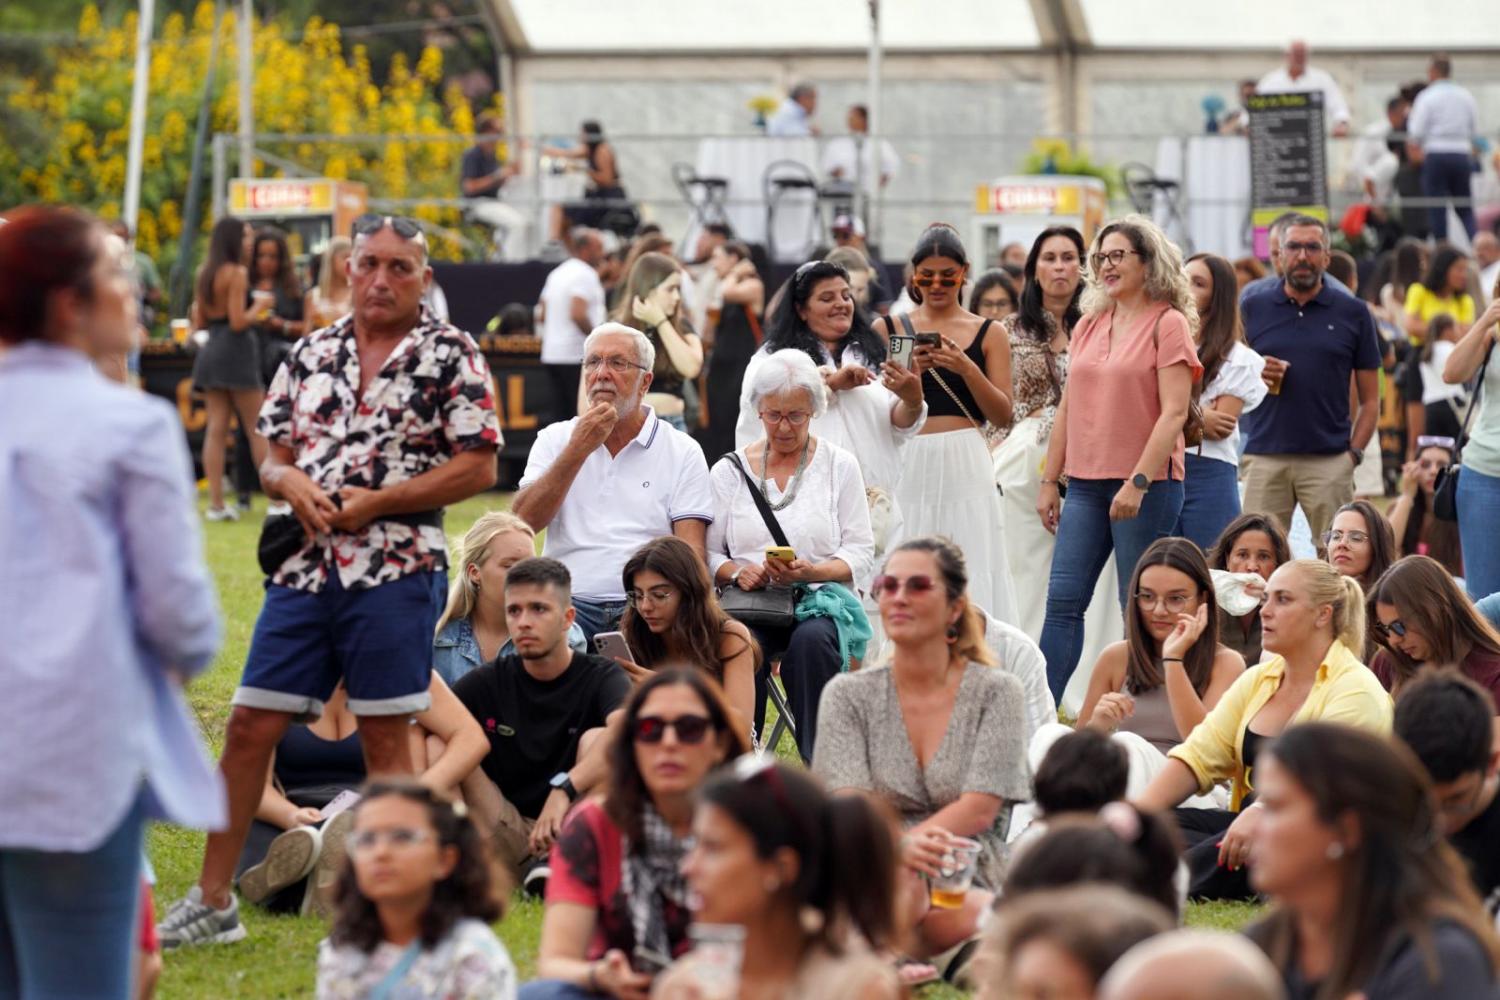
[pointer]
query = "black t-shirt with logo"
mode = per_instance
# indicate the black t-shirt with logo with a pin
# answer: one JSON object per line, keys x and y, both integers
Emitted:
{"x": 533, "y": 726}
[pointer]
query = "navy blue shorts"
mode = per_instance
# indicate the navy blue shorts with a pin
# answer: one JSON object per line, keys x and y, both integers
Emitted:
{"x": 379, "y": 641}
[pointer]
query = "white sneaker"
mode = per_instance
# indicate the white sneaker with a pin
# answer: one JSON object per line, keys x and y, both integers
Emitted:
{"x": 226, "y": 513}
{"x": 190, "y": 921}
{"x": 288, "y": 860}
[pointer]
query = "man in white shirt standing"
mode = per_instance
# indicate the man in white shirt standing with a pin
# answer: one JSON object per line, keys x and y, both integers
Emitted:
{"x": 1487, "y": 258}
{"x": 605, "y": 483}
{"x": 1297, "y": 77}
{"x": 1440, "y": 134}
{"x": 851, "y": 159}
{"x": 572, "y": 304}
{"x": 793, "y": 120}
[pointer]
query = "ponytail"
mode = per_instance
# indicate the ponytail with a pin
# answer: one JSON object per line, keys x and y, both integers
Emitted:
{"x": 858, "y": 866}
{"x": 970, "y": 646}
{"x": 1349, "y": 616}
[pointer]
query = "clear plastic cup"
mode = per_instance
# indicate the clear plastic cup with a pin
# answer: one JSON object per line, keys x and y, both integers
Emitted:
{"x": 956, "y": 875}
{"x": 718, "y": 951}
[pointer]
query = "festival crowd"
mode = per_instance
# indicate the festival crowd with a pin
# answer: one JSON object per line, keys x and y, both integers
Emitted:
{"x": 1072, "y": 587}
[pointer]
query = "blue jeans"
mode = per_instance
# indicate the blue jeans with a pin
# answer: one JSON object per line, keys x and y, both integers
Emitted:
{"x": 597, "y": 616}
{"x": 1085, "y": 539}
{"x": 69, "y": 922}
{"x": 1447, "y": 176}
{"x": 1210, "y": 500}
{"x": 1479, "y": 531}
{"x": 554, "y": 989}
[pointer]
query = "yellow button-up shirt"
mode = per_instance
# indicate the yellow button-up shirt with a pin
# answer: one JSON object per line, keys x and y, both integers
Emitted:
{"x": 1345, "y": 692}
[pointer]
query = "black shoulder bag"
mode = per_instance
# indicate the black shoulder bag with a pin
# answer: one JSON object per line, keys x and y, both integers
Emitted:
{"x": 1445, "y": 489}
{"x": 769, "y": 607}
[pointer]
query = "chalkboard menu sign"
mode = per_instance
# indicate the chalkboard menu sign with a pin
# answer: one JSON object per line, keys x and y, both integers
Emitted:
{"x": 1288, "y": 160}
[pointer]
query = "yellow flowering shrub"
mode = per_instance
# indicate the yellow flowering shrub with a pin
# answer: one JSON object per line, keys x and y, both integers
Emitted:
{"x": 307, "y": 83}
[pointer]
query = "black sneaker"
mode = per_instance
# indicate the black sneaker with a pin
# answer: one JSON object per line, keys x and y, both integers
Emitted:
{"x": 534, "y": 877}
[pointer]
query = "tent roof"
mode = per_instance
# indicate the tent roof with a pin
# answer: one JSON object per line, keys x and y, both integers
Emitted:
{"x": 707, "y": 26}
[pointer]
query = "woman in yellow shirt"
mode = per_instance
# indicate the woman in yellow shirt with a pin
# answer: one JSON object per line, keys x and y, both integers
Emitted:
{"x": 1444, "y": 289}
{"x": 1312, "y": 621}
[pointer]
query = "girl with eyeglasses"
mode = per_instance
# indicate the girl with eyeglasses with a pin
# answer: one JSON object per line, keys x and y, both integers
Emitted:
{"x": 939, "y": 733}
{"x": 414, "y": 904}
{"x": 1314, "y": 626}
{"x": 1360, "y": 544}
{"x": 1418, "y": 531}
{"x": 1369, "y": 898}
{"x": 617, "y": 901}
{"x": 1119, "y": 432}
{"x": 806, "y": 879}
{"x": 947, "y": 486}
{"x": 1150, "y": 690}
{"x": 1038, "y": 333}
{"x": 673, "y": 618}
{"x": 1422, "y": 620}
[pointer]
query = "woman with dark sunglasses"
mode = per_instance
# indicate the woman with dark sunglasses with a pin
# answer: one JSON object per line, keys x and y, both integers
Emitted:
{"x": 948, "y": 485}
{"x": 617, "y": 903}
{"x": 939, "y": 733}
{"x": 1423, "y": 619}
{"x": 801, "y": 884}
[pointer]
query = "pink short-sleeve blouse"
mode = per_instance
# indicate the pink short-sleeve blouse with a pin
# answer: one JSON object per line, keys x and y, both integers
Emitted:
{"x": 1113, "y": 401}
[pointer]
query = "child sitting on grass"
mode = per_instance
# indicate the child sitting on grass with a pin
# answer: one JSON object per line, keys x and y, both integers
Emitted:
{"x": 414, "y": 905}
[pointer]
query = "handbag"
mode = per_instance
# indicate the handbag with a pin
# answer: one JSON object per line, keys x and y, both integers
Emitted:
{"x": 1445, "y": 488}
{"x": 282, "y": 536}
{"x": 770, "y": 607}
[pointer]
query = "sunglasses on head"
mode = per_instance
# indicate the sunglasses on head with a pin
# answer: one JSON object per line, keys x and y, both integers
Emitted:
{"x": 755, "y": 767}
{"x": 1396, "y": 628}
{"x": 690, "y": 729}
{"x": 407, "y": 229}
{"x": 886, "y": 585}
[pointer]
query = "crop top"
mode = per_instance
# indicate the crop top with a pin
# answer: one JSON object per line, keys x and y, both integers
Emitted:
{"x": 939, "y": 403}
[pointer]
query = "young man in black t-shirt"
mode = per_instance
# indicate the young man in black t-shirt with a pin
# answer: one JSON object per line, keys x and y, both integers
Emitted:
{"x": 543, "y": 708}
{"x": 1448, "y": 721}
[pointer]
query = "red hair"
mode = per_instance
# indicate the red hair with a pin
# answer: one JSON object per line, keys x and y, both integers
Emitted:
{"x": 43, "y": 249}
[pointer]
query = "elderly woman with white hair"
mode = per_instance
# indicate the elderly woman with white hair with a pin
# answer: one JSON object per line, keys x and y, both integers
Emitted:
{"x": 790, "y": 540}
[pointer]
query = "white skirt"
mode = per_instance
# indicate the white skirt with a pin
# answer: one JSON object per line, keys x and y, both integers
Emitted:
{"x": 948, "y": 489}
{"x": 1018, "y": 466}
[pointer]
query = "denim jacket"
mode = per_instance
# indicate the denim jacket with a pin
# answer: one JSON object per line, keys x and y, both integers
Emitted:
{"x": 455, "y": 651}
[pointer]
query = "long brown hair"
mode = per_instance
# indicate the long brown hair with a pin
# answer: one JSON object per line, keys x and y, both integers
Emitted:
{"x": 1427, "y": 598}
{"x": 1382, "y": 540}
{"x": 468, "y": 891}
{"x": 1218, "y": 556}
{"x": 1443, "y": 543}
{"x": 226, "y": 245}
{"x": 1400, "y": 875}
{"x": 626, "y": 794}
{"x": 700, "y": 623}
{"x": 1143, "y": 668}
{"x": 1219, "y": 328}
{"x": 968, "y": 643}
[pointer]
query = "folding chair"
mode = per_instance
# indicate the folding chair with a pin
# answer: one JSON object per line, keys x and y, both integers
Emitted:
{"x": 785, "y": 721}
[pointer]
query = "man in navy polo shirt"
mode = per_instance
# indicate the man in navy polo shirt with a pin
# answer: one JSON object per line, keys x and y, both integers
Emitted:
{"x": 1302, "y": 447}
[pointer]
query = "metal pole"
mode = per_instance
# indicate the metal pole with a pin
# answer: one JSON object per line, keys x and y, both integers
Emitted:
{"x": 220, "y": 194}
{"x": 247, "y": 108}
{"x": 131, "y": 209}
{"x": 872, "y": 136}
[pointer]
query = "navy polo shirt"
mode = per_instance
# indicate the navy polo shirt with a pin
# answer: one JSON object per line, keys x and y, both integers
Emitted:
{"x": 1324, "y": 342}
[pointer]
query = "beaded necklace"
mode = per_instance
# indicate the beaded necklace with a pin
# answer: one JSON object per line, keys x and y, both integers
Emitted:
{"x": 793, "y": 484}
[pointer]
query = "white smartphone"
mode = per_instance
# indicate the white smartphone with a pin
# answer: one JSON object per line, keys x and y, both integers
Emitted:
{"x": 612, "y": 646}
{"x": 901, "y": 348}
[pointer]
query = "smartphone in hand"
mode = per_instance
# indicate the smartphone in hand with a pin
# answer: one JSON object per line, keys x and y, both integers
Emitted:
{"x": 612, "y": 646}
{"x": 901, "y": 349}
{"x": 781, "y": 553}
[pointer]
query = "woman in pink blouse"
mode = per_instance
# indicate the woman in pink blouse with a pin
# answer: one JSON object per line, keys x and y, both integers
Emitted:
{"x": 1120, "y": 446}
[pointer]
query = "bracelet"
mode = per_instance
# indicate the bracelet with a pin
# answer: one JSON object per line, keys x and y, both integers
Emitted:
{"x": 1049, "y": 482}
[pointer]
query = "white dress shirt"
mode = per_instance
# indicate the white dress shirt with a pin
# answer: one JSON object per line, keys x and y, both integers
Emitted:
{"x": 1373, "y": 160}
{"x": 1443, "y": 119}
{"x": 844, "y": 153}
{"x": 1279, "y": 81}
{"x": 789, "y": 122}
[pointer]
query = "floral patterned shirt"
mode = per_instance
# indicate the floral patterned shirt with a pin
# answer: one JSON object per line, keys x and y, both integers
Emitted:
{"x": 469, "y": 964}
{"x": 432, "y": 399}
{"x": 1035, "y": 393}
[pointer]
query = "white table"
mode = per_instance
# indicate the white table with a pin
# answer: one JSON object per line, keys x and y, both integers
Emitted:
{"x": 1214, "y": 171}
{"x": 742, "y": 161}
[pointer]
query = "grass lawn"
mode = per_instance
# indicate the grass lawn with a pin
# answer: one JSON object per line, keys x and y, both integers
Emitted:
{"x": 279, "y": 958}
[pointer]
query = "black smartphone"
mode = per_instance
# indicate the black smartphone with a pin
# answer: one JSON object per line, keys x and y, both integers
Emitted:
{"x": 929, "y": 339}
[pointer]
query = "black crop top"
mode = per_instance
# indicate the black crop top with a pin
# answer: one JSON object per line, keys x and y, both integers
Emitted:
{"x": 939, "y": 403}
{"x": 306, "y": 760}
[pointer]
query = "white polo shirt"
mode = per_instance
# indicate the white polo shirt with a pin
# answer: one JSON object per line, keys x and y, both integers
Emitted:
{"x": 617, "y": 504}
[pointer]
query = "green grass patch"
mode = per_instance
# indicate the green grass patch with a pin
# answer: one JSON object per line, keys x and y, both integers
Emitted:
{"x": 280, "y": 958}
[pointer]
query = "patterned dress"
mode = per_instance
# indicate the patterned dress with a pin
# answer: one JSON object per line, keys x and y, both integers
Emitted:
{"x": 469, "y": 964}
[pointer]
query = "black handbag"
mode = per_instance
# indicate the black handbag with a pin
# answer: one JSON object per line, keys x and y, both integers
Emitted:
{"x": 1445, "y": 488}
{"x": 281, "y": 535}
{"x": 769, "y": 607}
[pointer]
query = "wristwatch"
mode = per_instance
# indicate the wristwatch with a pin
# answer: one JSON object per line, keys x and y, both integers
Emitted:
{"x": 1357, "y": 455}
{"x": 561, "y": 781}
{"x": 1140, "y": 482}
